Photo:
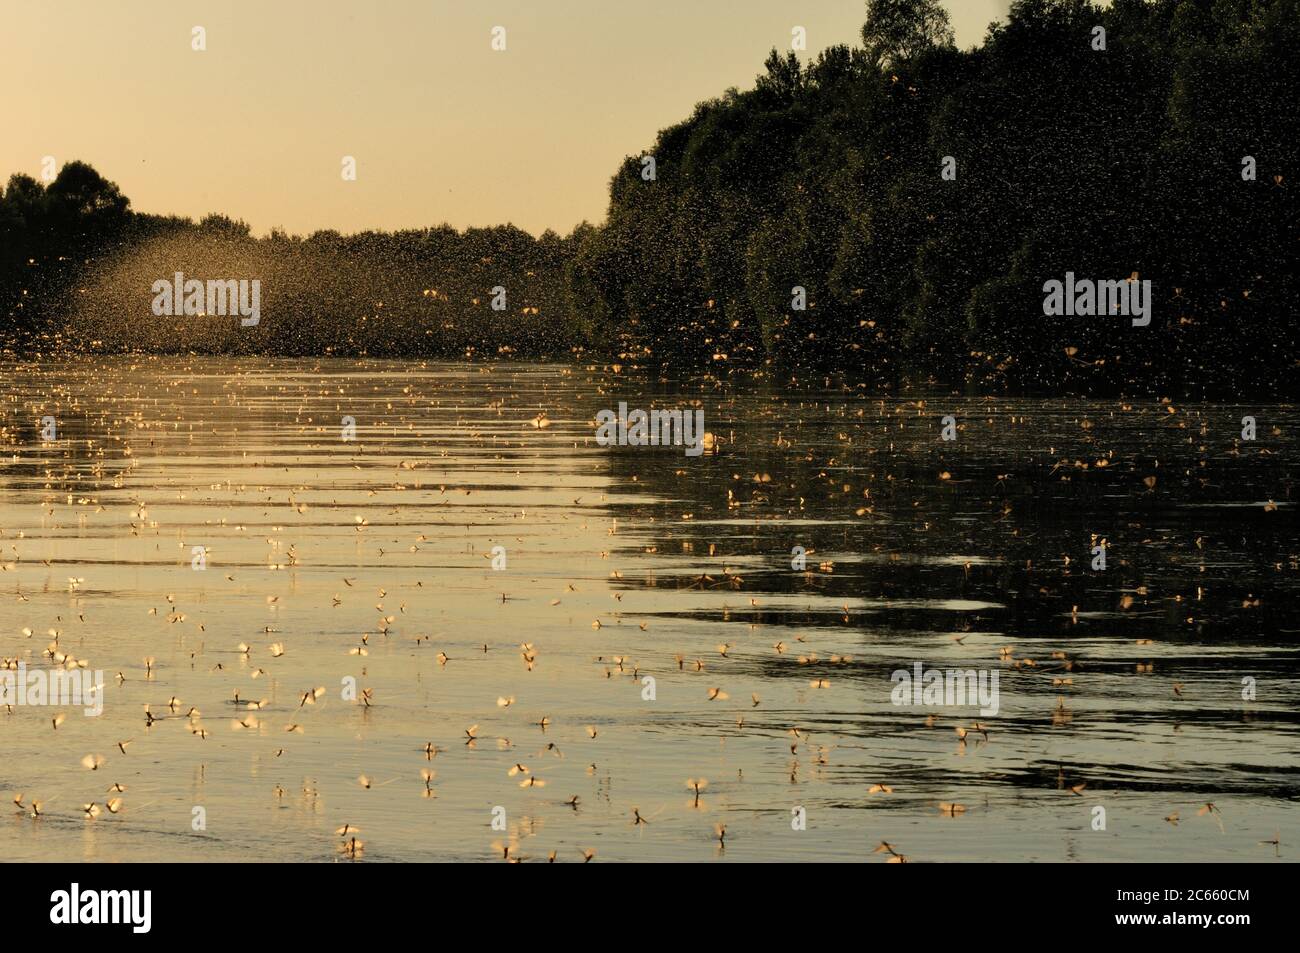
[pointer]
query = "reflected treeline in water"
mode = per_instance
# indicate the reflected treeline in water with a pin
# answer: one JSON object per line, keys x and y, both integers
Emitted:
{"x": 570, "y": 632}
{"x": 1024, "y": 492}
{"x": 980, "y": 552}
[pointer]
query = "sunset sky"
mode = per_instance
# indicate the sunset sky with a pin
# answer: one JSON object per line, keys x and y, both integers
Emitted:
{"x": 443, "y": 128}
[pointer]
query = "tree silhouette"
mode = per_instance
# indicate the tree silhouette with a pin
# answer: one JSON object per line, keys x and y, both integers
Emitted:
{"x": 1067, "y": 159}
{"x": 898, "y": 30}
{"x": 79, "y": 192}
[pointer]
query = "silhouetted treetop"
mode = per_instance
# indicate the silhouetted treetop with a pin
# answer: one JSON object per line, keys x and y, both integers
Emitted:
{"x": 899, "y": 30}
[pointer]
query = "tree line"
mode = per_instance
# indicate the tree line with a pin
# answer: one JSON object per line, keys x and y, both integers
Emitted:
{"x": 79, "y": 266}
{"x": 890, "y": 212}
{"x": 1109, "y": 153}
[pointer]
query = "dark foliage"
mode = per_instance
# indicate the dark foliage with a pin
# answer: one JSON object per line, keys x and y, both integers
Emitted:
{"x": 1068, "y": 158}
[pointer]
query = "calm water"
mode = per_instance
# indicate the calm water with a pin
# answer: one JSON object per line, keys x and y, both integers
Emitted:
{"x": 620, "y": 561}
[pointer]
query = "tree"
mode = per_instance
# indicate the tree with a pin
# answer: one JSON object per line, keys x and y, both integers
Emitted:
{"x": 81, "y": 192}
{"x": 784, "y": 76}
{"x": 225, "y": 226}
{"x": 897, "y": 30}
{"x": 23, "y": 199}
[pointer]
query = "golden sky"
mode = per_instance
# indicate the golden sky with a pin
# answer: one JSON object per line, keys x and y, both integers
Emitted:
{"x": 443, "y": 128}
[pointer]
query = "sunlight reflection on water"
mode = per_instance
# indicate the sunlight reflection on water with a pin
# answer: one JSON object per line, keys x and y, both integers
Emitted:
{"x": 620, "y": 560}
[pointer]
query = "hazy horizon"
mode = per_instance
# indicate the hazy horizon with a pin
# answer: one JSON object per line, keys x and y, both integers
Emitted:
{"x": 443, "y": 128}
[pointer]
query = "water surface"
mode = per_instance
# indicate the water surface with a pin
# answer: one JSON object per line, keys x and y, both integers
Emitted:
{"x": 628, "y": 562}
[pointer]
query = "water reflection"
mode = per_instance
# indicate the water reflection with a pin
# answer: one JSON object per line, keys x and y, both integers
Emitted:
{"x": 769, "y": 590}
